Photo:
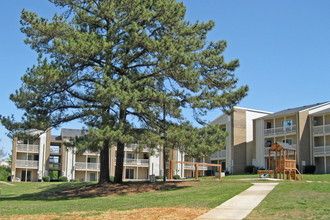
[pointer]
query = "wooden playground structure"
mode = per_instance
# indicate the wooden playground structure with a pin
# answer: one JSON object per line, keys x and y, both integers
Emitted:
{"x": 285, "y": 163}
{"x": 196, "y": 167}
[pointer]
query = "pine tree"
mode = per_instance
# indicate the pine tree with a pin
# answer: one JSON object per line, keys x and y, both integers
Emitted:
{"x": 113, "y": 63}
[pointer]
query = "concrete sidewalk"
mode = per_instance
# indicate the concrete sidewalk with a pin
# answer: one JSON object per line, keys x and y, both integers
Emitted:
{"x": 241, "y": 205}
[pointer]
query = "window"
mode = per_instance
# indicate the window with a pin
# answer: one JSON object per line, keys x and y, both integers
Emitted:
{"x": 130, "y": 156}
{"x": 54, "y": 159}
{"x": 268, "y": 143}
{"x": 129, "y": 174}
{"x": 288, "y": 141}
{"x": 91, "y": 159}
{"x": 268, "y": 125}
{"x": 287, "y": 123}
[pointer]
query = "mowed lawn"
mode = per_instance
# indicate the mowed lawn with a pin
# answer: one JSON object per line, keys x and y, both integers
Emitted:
{"x": 308, "y": 199}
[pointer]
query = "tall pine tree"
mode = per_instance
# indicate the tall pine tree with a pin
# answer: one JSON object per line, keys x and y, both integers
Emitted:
{"x": 110, "y": 63}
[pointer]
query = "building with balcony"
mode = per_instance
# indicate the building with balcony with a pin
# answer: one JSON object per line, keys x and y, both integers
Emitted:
{"x": 302, "y": 128}
{"x": 240, "y": 150}
{"x": 320, "y": 142}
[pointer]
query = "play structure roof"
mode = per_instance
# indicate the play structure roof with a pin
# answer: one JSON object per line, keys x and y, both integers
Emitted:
{"x": 278, "y": 146}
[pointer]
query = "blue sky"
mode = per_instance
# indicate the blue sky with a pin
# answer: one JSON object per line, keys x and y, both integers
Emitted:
{"x": 283, "y": 47}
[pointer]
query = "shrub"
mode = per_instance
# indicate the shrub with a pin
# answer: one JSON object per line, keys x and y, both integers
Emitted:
{"x": 249, "y": 169}
{"x": 176, "y": 177}
{"x": 159, "y": 177}
{"x": 309, "y": 169}
{"x": 76, "y": 180}
{"x": 63, "y": 179}
{"x": 4, "y": 173}
{"x": 46, "y": 179}
{"x": 112, "y": 179}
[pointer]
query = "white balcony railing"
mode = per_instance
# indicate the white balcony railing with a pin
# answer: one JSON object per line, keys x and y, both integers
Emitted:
{"x": 55, "y": 166}
{"x": 32, "y": 148}
{"x": 280, "y": 130}
{"x": 87, "y": 166}
{"x": 55, "y": 150}
{"x": 321, "y": 151}
{"x": 27, "y": 164}
{"x": 321, "y": 129}
{"x": 272, "y": 153}
{"x": 218, "y": 155}
{"x": 136, "y": 162}
{"x": 134, "y": 147}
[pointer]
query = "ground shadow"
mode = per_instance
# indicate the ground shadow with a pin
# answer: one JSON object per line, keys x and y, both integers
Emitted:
{"x": 66, "y": 191}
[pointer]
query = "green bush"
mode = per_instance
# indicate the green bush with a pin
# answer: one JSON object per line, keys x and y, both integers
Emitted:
{"x": 249, "y": 169}
{"x": 63, "y": 179}
{"x": 112, "y": 179}
{"x": 309, "y": 169}
{"x": 76, "y": 180}
{"x": 176, "y": 177}
{"x": 4, "y": 173}
{"x": 159, "y": 177}
{"x": 46, "y": 179}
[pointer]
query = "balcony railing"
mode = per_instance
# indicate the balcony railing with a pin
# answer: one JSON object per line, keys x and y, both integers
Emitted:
{"x": 55, "y": 166}
{"x": 32, "y": 148}
{"x": 272, "y": 153}
{"x": 55, "y": 150}
{"x": 321, "y": 150}
{"x": 27, "y": 164}
{"x": 87, "y": 166}
{"x": 321, "y": 129}
{"x": 136, "y": 162}
{"x": 134, "y": 147}
{"x": 218, "y": 155}
{"x": 280, "y": 130}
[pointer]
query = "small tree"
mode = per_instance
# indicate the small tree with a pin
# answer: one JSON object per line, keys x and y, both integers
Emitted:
{"x": 110, "y": 63}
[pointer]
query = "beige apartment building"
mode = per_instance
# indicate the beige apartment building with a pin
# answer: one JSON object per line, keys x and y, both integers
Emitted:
{"x": 240, "y": 150}
{"x": 250, "y": 134}
{"x": 304, "y": 128}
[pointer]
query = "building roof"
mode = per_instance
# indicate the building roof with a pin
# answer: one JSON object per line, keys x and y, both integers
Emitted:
{"x": 293, "y": 110}
{"x": 322, "y": 112}
{"x": 65, "y": 132}
{"x": 280, "y": 145}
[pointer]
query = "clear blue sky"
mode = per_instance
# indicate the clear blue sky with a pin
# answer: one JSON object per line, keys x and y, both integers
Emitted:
{"x": 283, "y": 47}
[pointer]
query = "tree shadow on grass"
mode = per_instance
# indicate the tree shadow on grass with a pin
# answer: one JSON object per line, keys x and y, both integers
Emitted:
{"x": 67, "y": 191}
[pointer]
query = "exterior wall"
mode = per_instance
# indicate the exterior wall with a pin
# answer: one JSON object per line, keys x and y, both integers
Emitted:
{"x": 239, "y": 141}
{"x": 80, "y": 175}
{"x": 303, "y": 132}
{"x": 259, "y": 144}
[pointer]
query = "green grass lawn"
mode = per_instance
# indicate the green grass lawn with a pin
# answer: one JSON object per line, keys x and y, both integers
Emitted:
{"x": 308, "y": 199}
{"x": 24, "y": 198}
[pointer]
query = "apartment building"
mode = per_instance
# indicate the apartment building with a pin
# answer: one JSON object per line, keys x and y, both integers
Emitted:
{"x": 239, "y": 151}
{"x": 304, "y": 128}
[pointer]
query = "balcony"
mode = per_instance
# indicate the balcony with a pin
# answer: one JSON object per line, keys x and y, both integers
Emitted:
{"x": 136, "y": 162}
{"x": 321, "y": 129}
{"x": 55, "y": 150}
{"x": 321, "y": 151}
{"x": 272, "y": 154}
{"x": 87, "y": 166}
{"x": 219, "y": 155}
{"x": 30, "y": 148}
{"x": 134, "y": 147}
{"x": 55, "y": 166}
{"x": 280, "y": 130}
{"x": 32, "y": 164}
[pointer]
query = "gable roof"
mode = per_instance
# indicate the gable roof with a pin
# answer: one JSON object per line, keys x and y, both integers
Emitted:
{"x": 281, "y": 146}
{"x": 293, "y": 110}
{"x": 65, "y": 132}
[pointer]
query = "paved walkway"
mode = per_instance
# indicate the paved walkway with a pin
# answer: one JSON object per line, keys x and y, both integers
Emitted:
{"x": 241, "y": 205}
{"x": 9, "y": 184}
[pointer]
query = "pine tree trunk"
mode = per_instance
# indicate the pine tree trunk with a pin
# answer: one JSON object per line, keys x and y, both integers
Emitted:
{"x": 119, "y": 162}
{"x": 104, "y": 169}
